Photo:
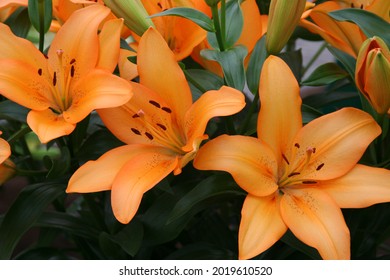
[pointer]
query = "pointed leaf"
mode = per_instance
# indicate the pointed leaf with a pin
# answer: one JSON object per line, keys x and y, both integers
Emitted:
{"x": 234, "y": 23}
{"x": 325, "y": 74}
{"x": 40, "y": 12}
{"x": 194, "y": 15}
{"x": 258, "y": 56}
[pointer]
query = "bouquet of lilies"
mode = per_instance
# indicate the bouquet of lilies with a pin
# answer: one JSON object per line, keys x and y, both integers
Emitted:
{"x": 194, "y": 129}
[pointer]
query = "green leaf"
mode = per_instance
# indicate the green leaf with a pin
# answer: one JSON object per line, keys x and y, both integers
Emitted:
{"x": 201, "y": 81}
{"x": 346, "y": 60}
{"x": 201, "y": 196}
{"x": 232, "y": 63}
{"x": 294, "y": 61}
{"x": 234, "y": 23}
{"x": 24, "y": 212}
{"x": 194, "y": 15}
{"x": 325, "y": 74}
{"x": 58, "y": 166}
{"x": 369, "y": 23}
{"x": 309, "y": 113}
{"x": 40, "y": 13}
{"x": 256, "y": 61}
{"x": 129, "y": 238}
{"x": 201, "y": 251}
{"x": 19, "y": 22}
{"x": 12, "y": 111}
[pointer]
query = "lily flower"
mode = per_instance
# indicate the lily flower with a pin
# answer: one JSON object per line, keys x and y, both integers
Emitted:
{"x": 161, "y": 126}
{"x": 6, "y": 165}
{"x": 345, "y": 36}
{"x": 5, "y": 150}
{"x": 373, "y": 72}
{"x": 75, "y": 77}
{"x": 298, "y": 177}
{"x": 7, "y": 7}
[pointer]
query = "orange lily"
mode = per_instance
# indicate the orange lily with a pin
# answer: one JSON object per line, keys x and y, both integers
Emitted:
{"x": 7, "y": 7}
{"x": 6, "y": 165}
{"x": 373, "y": 72}
{"x": 161, "y": 127}
{"x": 5, "y": 150}
{"x": 345, "y": 36}
{"x": 75, "y": 78}
{"x": 254, "y": 27}
{"x": 298, "y": 177}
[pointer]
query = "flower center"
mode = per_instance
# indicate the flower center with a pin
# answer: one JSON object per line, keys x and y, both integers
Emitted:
{"x": 360, "y": 4}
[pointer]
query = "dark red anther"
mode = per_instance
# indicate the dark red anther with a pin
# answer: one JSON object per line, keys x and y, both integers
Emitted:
{"x": 150, "y": 136}
{"x": 154, "y": 103}
{"x": 166, "y": 109}
{"x": 320, "y": 166}
{"x": 136, "y": 131}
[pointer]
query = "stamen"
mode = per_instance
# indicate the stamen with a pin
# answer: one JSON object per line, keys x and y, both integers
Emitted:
{"x": 135, "y": 116}
{"x": 150, "y": 136}
{"x": 352, "y": 5}
{"x": 72, "y": 61}
{"x": 154, "y": 103}
{"x": 160, "y": 6}
{"x": 162, "y": 126}
{"x": 40, "y": 71}
{"x": 136, "y": 131}
{"x": 72, "y": 71}
{"x": 54, "y": 79}
{"x": 297, "y": 145}
{"x": 166, "y": 109}
{"x": 320, "y": 166}
{"x": 309, "y": 182}
{"x": 293, "y": 174}
{"x": 361, "y": 7}
{"x": 285, "y": 159}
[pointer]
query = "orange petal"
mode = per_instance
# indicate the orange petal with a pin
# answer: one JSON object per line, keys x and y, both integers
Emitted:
{"x": 363, "y": 186}
{"x": 48, "y": 125}
{"x": 136, "y": 177}
{"x": 13, "y": 47}
{"x": 127, "y": 69}
{"x": 380, "y": 8}
{"x": 250, "y": 162}
{"x": 160, "y": 72}
{"x": 21, "y": 83}
{"x": 98, "y": 175}
{"x": 5, "y": 150}
{"x": 280, "y": 113}
{"x": 98, "y": 89}
{"x": 251, "y": 30}
{"x": 223, "y": 102}
{"x": 109, "y": 44}
{"x": 79, "y": 44}
{"x": 260, "y": 227}
{"x": 315, "y": 219}
{"x": 336, "y": 143}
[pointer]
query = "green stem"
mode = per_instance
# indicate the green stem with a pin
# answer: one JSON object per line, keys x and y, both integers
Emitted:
{"x": 314, "y": 58}
{"x": 217, "y": 25}
{"x": 41, "y": 25}
{"x": 17, "y": 135}
{"x": 223, "y": 21}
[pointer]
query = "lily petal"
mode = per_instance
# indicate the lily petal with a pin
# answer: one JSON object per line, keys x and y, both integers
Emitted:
{"x": 159, "y": 71}
{"x": 98, "y": 175}
{"x": 48, "y": 125}
{"x": 280, "y": 115}
{"x": 5, "y": 150}
{"x": 16, "y": 48}
{"x": 78, "y": 44}
{"x": 109, "y": 44}
{"x": 331, "y": 145}
{"x": 98, "y": 89}
{"x": 363, "y": 186}
{"x": 316, "y": 219}
{"x": 250, "y": 162}
{"x": 261, "y": 225}
{"x": 21, "y": 83}
{"x": 127, "y": 69}
{"x": 136, "y": 177}
{"x": 223, "y": 102}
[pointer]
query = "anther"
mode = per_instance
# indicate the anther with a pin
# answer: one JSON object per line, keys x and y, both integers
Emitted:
{"x": 154, "y": 103}
{"x": 361, "y": 7}
{"x": 293, "y": 174}
{"x": 162, "y": 126}
{"x": 352, "y": 5}
{"x": 320, "y": 166}
{"x": 160, "y": 6}
{"x": 54, "y": 79}
{"x": 309, "y": 182}
{"x": 135, "y": 116}
{"x": 297, "y": 145}
{"x": 40, "y": 71}
{"x": 166, "y": 109}
{"x": 285, "y": 159}
{"x": 136, "y": 131}
{"x": 150, "y": 136}
{"x": 72, "y": 71}
{"x": 72, "y": 61}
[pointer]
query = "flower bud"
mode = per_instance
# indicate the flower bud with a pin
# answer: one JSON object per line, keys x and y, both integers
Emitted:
{"x": 212, "y": 3}
{"x": 284, "y": 16}
{"x": 373, "y": 72}
{"x": 133, "y": 12}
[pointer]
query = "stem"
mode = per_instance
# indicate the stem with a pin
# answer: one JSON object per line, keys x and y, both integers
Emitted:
{"x": 41, "y": 4}
{"x": 20, "y": 133}
{"x": 217, "y": 25}
{"x": 223, "y": 21}
{"x": 314, "y": 58}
